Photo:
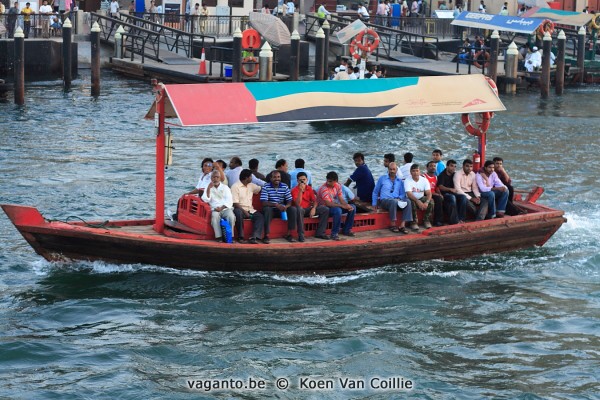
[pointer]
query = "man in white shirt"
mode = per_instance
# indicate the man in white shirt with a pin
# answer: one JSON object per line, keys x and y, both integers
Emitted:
{"x": 291, "y": 8}
{"x": 363, "y": 13}
{"x": 418, "y": 190}
{"x": 218, "y": 196}
{"x": 114, "y": 9}
{"x": 533, "y": 61}
{"x": 45, "y": 9}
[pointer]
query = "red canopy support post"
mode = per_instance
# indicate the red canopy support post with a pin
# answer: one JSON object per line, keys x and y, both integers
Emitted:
{"x": 159, "y": 120}
{"x": 482, "y": 144}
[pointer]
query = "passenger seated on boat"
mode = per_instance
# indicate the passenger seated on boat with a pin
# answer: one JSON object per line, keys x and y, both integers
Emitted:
{"x": 455, "y": 204}
{"x": 218, "y": 197}
{"x": 220, "y": 166}
{"x": 205, "y": 177}
{"x": 511, "y": 209}
{"x": 282, "y": 166}
{"x": 233, "y": 175}
{"x": 276, "y": 199}
{"x": 465, "y": 184}
{"x": 330, "y": 195}
{"x": 493, "y": 189}
{"x": 299, "y": 167}
{"x": 419, "y": 192}
{"x": 242, "y": 193}
{"x": 305, "y": 201}
{"x": 405, "y": 169}
{"x": 387, "y": 159}
{"x": 253, "y": 166}
{"x": 363, "y": 177}
{"x": 436, "y": 196}
{"x": 436, "y": 156}
{"x": 389, "y": 195}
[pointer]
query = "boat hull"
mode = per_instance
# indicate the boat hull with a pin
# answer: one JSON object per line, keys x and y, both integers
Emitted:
{"x": 132, "y": 242}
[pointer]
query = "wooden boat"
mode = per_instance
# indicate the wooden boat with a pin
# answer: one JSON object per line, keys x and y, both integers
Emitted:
{"x": 189, "y": 242}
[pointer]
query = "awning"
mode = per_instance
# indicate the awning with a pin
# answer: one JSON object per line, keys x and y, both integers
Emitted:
{"x": 561, "y": 17}
{"x": 250, "y": 103}
{"x": 498, "y": 22}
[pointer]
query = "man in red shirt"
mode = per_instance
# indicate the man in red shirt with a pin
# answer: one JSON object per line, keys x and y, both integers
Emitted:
{"x": 305, "y": 200}
{"x": 438, "y": 200}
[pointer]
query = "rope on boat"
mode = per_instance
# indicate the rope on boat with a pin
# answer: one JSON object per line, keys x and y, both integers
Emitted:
{"x": 66, "y": 221}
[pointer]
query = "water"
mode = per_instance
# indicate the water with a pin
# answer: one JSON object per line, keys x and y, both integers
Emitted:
{"x": 517, "y": 325}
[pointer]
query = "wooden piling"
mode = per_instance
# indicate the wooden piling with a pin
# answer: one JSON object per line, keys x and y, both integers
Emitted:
{"x": 545, "y": 75}
{"x": 95, "y": 47}
{"x": 265, "y": 60}
{"x": 295, "y": 56}
{"x": 560, "y": 64}
{"x": 327, "y": 32}
{"x": 510, "y": 68}
{"x": 319, "y": 54}
{"x": 67, "y": 54}
{"x": 236, "y": 66}
{"x": 19, "y": 39}
{"x": 494, "y": 49}
{"x": 581, "y": 53}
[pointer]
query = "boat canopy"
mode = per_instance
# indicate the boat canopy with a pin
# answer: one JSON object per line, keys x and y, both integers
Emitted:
{"x": 498, "y": 22}
{"x": 572, "y": 18}
{"x": 262, "y": 102}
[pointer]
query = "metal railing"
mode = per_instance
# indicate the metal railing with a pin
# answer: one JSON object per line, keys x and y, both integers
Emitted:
{"x": 37, "y": 26}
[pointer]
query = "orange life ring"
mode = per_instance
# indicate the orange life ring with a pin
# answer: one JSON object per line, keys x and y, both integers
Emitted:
{"x": 545, "y": 26}
{"x": 250, "y": 39}
{"x": 480, "y": 127}
{"x": 254, "y": 70}
{"x": 368, "y": 46}
{"x": 486, "y": 56}
{"x": 354, "y": 49}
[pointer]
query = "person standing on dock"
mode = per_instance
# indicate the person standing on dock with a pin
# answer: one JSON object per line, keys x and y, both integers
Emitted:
{"x": 45, "y": 9}
{"x": 26, "y": 12}
{"x": 11, "y": 19}
{"x": 482, "y": 7}
{"x": 363, "y": 13}
{"x": 114, "y": 9}
{"x": 504, "y": 10}
{"x": 218, "y": 196}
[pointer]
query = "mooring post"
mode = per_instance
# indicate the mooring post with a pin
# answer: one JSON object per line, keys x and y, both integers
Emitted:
{"x": 95, "y": 45}
{"x": 327, "y": 31}
{"x": 560, "y": 63}
{"x": 236, "y": 66}
{"x": 494, "y": 49}
{"x": 319, "y": 52}
{"x": 510, "y": 68}
{"x": 545, "y": 76}
{"x": 265, "y": 59}
{"x": 67, "y": 55}
{"x": 581, "y": 53}
{"x": 119, "y": 42}
{"x": 295, "y": 56}
{"x": 19, "y": 39}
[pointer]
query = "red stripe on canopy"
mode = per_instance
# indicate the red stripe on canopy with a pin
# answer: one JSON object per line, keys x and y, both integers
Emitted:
{"x": 212, "y": 104}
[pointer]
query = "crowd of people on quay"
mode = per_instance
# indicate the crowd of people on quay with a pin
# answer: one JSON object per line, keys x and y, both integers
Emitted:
{"x": 441, "y": 190}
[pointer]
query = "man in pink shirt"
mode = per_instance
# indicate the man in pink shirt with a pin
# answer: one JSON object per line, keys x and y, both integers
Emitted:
{"x": 330, "y": 195}
{"x": 466, "y": 185}
{"x": 493, "y": 189}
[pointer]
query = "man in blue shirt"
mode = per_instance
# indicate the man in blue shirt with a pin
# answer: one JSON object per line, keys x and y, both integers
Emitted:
{"x": 389, "y": 195}
{"x": 363, "y": 178}
{"x": 436, "y": 156}
{"x": 299, "y": 167}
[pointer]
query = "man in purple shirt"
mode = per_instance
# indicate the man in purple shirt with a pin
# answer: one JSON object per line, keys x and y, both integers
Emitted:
{"x": 493, "y": 189}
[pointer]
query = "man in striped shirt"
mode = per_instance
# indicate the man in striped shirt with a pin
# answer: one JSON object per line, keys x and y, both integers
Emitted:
{"x": 276, "y": 199}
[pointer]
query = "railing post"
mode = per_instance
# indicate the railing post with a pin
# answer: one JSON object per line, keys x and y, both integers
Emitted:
{"x": 560, "y": 63}
{"x": 67, "y": 55}
{"x": 545, "y": 76}
{"x": 295, "y": 56}
{"x": 236, "y": 62}
{"x": 581, "y": 53}
{"x": 95, "y": 47}
{"x": 19, "y": 40}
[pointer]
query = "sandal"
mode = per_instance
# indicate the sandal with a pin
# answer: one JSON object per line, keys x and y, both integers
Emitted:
{"x": 403, "y": 230}
{"x": 394, "y": 229}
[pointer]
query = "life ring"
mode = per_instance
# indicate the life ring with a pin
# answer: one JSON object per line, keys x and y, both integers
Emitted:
{"x": 479, "y": 128}
{"x": 250, "y": 39}
{"x": 486, "y": 56}
{"x": 546, "y": 26}
{"x": 354, "y": 49}
{"x": 595, "y": 22}
{"x": 246, "y": 61}
{"x": 492, "y": 84}
{"x": 368, "y": 46}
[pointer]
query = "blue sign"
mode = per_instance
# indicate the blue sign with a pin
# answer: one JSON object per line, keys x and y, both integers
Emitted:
{"x": 497, "y": 22}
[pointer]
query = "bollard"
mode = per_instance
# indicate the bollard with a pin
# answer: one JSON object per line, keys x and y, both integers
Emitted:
{"x": 265, "y": 60}
{"x": 19, "y": 39}
{"x": 319, "y": 52}
{"x": 494, "y": 48}
{"x": 295, "y": 56}
{"x": 119, "y": 42}
{"x": 67, "y": 55}
{"x": 560, "y": 63}
{"x": 95, "y": 45}
{"x": 327, "y": 32}
{"x": 545, "y": 76}
{"x": 510, "y": 68}
{"x": 236, "y": 62}
{"x": 581, "y": 52}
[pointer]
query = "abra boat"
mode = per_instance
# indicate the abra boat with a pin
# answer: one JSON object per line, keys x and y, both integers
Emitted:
{"x": 189, "y": 242}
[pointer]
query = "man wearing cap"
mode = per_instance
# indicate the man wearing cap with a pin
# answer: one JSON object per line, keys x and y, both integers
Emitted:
{"x": 341, "y": 74}
{"x": 533, "y": 61}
